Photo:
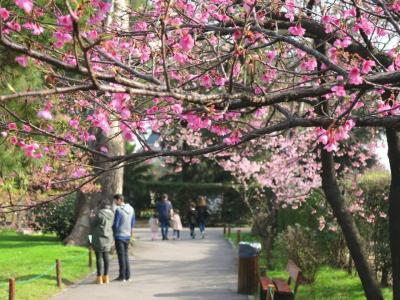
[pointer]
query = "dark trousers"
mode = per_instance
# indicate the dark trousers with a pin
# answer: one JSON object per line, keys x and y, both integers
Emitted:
{"x": 164, "y": 228}
{"x": 177, "y": 233}
{"x": 123, "y": 260}
{"x": 102, "y": 258}
{"x": 192, "y": 234}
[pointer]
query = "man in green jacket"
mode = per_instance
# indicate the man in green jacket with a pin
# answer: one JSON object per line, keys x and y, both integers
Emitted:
{"x": 102, "y": 240}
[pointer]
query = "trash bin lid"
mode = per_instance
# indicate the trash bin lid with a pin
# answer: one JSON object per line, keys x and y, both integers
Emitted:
{"x": 247, "y": 249}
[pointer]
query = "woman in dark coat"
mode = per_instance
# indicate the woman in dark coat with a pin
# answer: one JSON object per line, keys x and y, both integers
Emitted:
{"x": 192, "y": 219}
{"x": 202, "y": 215}
{"x": 102, "y": 240}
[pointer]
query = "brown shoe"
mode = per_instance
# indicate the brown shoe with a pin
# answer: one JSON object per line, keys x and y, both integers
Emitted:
{"x": 106, "y": 279}
{"x": 99, "y": 279}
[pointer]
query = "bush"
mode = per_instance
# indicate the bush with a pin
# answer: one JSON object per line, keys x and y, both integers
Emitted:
{"x": 298, "y": 244}
{"x": 58, "y": 218}
{"x": 374, "y": 226}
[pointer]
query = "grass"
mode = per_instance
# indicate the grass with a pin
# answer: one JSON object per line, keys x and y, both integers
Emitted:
{"x": 330, "y": 284}
{"x": 25, "y": 257}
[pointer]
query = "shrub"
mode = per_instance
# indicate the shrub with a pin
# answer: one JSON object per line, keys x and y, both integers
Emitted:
{"x": 298, "y": 244}
{"x": 58, "y": 218}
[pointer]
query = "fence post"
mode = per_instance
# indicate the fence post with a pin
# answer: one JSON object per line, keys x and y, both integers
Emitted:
{"x": 11, "y": 289}
{"x": 90, "y": 257}
{"x": 224, "y": 229}
{"x": 229, "y": 230}
{"x": 238, "y": 236}
{"x": 58, "y": 272}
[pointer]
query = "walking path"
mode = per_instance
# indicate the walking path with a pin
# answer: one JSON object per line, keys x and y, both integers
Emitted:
{"x": 183, "y": 270}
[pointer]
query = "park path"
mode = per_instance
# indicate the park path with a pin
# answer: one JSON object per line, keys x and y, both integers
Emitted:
{"x": 183, "y": 270}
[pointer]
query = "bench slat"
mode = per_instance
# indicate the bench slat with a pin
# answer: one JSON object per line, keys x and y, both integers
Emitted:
{"x": 265, "y": 282}
{"x": 281, "y": 286}
{"x": 293, "y": 270}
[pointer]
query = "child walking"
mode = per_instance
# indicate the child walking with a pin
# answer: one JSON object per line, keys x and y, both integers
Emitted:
{"x": 176, "y": 224}
{"x": 153, "y": 223}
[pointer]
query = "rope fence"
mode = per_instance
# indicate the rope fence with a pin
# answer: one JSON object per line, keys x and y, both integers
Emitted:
{"x": 13, "y": 282}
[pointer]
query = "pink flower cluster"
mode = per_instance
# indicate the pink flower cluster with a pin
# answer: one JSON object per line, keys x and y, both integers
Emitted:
{"x": 331, "y": 136}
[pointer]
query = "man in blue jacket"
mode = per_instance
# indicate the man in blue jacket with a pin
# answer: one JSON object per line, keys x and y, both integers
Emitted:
{"x": 124, "y": 221}
{"x": 164, "y": 209}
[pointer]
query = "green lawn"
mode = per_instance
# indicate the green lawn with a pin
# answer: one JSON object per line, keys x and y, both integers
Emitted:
{"x": 26, "y": 258}
{"x": 330, "y": 284}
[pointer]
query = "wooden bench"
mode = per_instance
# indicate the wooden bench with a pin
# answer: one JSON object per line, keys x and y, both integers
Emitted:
{"x": 280, "y": 288}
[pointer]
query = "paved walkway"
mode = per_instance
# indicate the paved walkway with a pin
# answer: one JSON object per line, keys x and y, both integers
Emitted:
{"x": 183, "y": 270}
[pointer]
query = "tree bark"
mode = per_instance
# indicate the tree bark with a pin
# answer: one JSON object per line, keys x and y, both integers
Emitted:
{"x": 393, "y": 141}
{"x": 111, "y": 183}
{"x": 346, "y": 222}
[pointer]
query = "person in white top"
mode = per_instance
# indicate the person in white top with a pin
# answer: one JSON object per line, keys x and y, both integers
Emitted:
{"x": 176, "y": 224}
{"x": 153, "y": 223}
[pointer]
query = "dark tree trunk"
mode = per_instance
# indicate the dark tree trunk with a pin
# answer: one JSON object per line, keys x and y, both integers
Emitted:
{"x": 349, "y": 229}
{"x": 111, "y": 183}
{"x": 393, "y": 141}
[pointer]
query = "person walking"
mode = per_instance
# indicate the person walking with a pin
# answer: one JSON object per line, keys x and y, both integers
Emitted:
{"x": 176, "y": 224}
{"x": 164, "y": 209}
{"x": 153, "y": 223}
{"x": 202, "y": 215}
{"x": 102, "y": 240}
{"x": 124, "y": 221}
{"x": 192, "y": 219}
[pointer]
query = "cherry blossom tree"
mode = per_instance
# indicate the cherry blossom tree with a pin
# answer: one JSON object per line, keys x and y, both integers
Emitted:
{"x": 205, "y": 67}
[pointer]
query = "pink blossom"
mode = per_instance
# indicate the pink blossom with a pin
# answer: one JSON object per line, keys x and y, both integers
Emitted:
{"x": 354, "y": 76}
{"x": 177, "y": 108}
{"x": 343, "y": 43}
{"x": 4, "y": 13}
{"x": 78, "y": 173}
{"x": 309, "y": 65}
{"x": 14, "y": 26}
{"x": 339, "y": 90}
{"x": 12, "y": 126}
{"x": 269, "y": 76}
{"x": 237, "y": 35}
{"x": 270, "y": 55}
{"x": 206, "y": 81}
{"x": 297, "y": 30}
{"x": 365, "y": 25}
{"x": 22, "y": 60}
{"x": 26, "y": 128}
{"x": 65, "y": 21}
{"x": 367, "y": 66}
{"x": 187, "y": 42}
{"x": 26, "y": 5}
{"x": 220, "y": 80}
{"x": 145, "y": 54}
{"x": 35, "y": 28}
{"x": 13, "y": 140}
{"x": 45, "y": 114}
{"x": 92, "y": 34}
{"x": 349, "y": 13}
{"x": 180, "y": 58}
{"x": 61, "y": 38}
{"x": 104, "y": 149}
{"x": 4, "y": 134}
{"x": 74, "y": 123}
{"x": 234, "y": 138}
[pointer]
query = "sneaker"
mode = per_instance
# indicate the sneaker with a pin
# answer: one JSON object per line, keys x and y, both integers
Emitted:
{"x": 119, "y": 279}
{"x": 129, "y": 280}
{"x": 203, "y": 235}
